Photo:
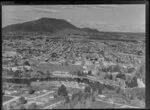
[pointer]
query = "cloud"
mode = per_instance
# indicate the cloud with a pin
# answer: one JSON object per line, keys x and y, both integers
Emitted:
{"x": 44, "y": 10}
{"x": 104, "y": 26}
{"x": 88, "y": 6}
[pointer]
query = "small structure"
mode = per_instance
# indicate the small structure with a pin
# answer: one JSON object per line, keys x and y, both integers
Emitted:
{"x": 140, "y": 83}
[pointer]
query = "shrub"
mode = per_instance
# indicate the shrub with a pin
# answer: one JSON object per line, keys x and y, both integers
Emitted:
{"x": 32, "y": 106}
{"x": 22, "y": 107}
{"x": 118, "y": 90}
{"x": 100, "y": 91}
{"x": 55, "y": 96}
{"x": 121, "y": 76}
{"x": 132, "y": 83}
{"x": 89, "y": 72}
{"x": 87, "y": 89}
{"x": 31, "y": 91}
{"x": 27, "y": 63}
{"x": 130, "y": 70}
{"x": 67, "y": 99}
{"x": 3, "y": 93}
{"x": 62, "y": 91}
{"x": 108, "y": 76}
{"x": 22, "y": 100}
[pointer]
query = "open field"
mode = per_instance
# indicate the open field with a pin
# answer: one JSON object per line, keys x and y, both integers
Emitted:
{"x": 6, "y": 98}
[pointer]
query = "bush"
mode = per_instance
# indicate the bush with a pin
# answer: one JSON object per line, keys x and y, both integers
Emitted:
{"x": 27, "y": 63}
{"x": 62, "y": 91}
{"x": 31, "y": 91}
{"x": 87, "y": 89}
{"x": 118, "y": 90}
{"x": 132, "y": 83}
{"x": 67, "y": 99}
{"x": 100, "y": 91}
{"x": 32, "y": 106}
{"x": 3, "y": 93}
{"x": 108, "y": 76}
{"x": 79, "y": 73}
{"x": 22, "y": 107}
{"x": 121, "y": 76}
{"x": 89, "y": 72}
{"x": 130, "y": 70}
{"x": 55, "y": 96}
{"x": 22, "y": 100}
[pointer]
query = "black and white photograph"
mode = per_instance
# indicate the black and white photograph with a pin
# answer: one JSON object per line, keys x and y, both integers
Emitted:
{"x": 73, "y": 56}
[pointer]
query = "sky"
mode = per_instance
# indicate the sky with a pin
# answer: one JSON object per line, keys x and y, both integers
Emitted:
{"x": 124, "y": 18}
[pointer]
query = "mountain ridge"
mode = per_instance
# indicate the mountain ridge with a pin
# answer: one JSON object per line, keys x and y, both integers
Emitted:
{"x": 44, "y": 24}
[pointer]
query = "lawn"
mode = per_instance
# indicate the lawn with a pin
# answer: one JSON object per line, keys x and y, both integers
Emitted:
{"x": 6, "y": 98}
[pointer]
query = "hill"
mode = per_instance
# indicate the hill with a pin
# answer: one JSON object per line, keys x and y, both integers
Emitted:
{"x": 41, "y": 25}
{"x": 51, "y": 25}
{"x": 62, "y": 27}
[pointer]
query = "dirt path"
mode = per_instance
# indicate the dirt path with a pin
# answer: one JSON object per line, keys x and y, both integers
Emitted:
{"x": 41, "y": 95}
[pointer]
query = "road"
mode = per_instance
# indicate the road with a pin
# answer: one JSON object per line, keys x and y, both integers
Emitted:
{"x": 10, "y": 100}
{"x": 17, "y": 97}
{"x": 111, "y": 102}
{"x": 41, "y": 95}
{"x": 10, "y": 96}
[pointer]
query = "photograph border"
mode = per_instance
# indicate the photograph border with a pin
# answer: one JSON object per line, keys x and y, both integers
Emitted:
{"x": 93, "y": 2}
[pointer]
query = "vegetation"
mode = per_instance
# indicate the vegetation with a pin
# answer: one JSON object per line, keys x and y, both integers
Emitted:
{"x": 62, "y": 91}
{"x": 31, "y": 91}
{"x": 27, "y": 63}
{"x": 121, "y": 76}
{"x": 22, "y": 100}
{"x": 132, "y": 82}
{"x": 87, "y": 89}
{"x": 22, "y": 107}
{"x": 32, "y": 106}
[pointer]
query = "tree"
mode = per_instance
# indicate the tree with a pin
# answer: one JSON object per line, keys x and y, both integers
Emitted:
{"x": 67, "y": 99}
{"x": 31, "y": 91}
{"x": 130, "y": 70}
{"x": 55, "y": 96}
{"x": 27, "y": 63}
{"x": 87, "y": 89}
{"x": 89, "y": 72}
{"x": 62, "y": 91}
{"x": 22, "y": 100}
{"x": 48, "y": 73}
{"x": 17, "y": 74}
{"x": 79, "y": 73}
{"x": 118, "y": 90}
{"x": 121, "y": 76}
{"x": 54, "y": 55}
{"x": 132, "y": 83}
{"x": 22, "y": 107}
{"x": 32, "y": 106}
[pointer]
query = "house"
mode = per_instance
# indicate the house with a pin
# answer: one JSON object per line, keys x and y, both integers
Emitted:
{"x": 140, "y": 83}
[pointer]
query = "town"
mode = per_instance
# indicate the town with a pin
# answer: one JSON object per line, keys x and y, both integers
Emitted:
{"x": 45, "y": 72}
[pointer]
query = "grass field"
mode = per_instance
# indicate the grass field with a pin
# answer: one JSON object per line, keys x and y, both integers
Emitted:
{"x": 97, "y": 105}
{"x": 6, "y": 98}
